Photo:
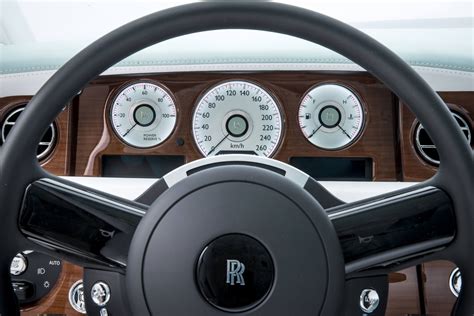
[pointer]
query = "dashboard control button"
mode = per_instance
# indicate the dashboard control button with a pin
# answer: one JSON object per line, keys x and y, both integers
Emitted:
{"x": 100, "y": 293}
{"x": 18, "y": 265}
{"x": 369, "y": 300}
{"x": 455, "y": 282}
{"x": 23, "y": 290}
{"x": 39, "y": 270}
{"x": 76, "y": 297}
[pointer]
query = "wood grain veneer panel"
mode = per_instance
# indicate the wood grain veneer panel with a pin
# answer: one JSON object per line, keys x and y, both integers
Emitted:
{"x": 438, "y": 297}
{"x": 403, "y": 296}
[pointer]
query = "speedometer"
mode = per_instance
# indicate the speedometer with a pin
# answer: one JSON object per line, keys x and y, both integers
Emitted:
{"x": 237, "y": 117}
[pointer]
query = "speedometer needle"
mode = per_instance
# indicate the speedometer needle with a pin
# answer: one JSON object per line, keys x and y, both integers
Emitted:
{"x": 344, "y": 131}
{"x": 214, "y": 147}
{"x": 128, "y": 131}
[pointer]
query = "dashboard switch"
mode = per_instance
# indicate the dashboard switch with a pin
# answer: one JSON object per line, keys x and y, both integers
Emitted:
{"x": 100, "y": 293}
{"x": 34, "y": 275}
{"x": 455, "y": 282}
{"x": 76, "y": 297}
{"x": 23, "y": 290}
{"x": 18, "y": 265}
{"x": 369, "y": 300}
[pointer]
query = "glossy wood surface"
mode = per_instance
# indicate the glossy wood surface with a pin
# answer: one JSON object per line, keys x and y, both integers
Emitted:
{"x": 378, "y": 141}
{"x": 413, "y": 166}
{"x": 439, "y": 299}
{"x": 58, "y": 162}
{"x": 403, "y": 296}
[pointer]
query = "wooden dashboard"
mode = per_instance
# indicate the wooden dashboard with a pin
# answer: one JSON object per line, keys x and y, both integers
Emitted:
{"x": 95, "y": 137}
{"x": 85, "y": 136}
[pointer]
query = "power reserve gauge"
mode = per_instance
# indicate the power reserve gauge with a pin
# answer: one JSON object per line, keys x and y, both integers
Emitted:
{"x": 331, "y": 116}
{"x": 143, "y": 114}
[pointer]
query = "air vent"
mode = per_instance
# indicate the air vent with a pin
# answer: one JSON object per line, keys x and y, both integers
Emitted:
{"x": 48, "y": 141}
{"x": 424, "y": 145}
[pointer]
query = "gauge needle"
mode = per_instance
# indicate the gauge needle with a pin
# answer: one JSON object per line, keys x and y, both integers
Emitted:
{"x": 128, "y": 131}
{"x": 344, "y": 131}
{"x": 214, "y": 147}
{"x": 314, "y": 131}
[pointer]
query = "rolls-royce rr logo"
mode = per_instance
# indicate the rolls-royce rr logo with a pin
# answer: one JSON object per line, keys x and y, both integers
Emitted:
{"x": 235, "y": 272}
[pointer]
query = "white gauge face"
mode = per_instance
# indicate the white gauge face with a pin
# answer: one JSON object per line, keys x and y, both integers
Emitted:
{"x": 143, "y": 115}
{"x": 237, "y": 117}
{"x": 331, "y": 116}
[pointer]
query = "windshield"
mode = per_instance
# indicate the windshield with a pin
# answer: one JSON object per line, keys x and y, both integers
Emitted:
{"x": 32, "y": 21}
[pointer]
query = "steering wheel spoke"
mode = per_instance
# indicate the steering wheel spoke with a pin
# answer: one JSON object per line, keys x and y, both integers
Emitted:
{"x": 395, "y": 227}
{"x": 87, "y": 227}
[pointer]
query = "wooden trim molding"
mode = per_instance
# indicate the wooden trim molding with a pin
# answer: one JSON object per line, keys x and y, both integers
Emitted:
{"x": 58, "y": 162}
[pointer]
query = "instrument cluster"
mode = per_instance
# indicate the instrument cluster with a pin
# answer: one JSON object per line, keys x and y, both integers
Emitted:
{"x": 237, "y": 116}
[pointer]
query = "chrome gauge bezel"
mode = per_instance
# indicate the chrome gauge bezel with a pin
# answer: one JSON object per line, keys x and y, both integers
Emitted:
{"x": 421, "y": 149}
{"x": 364, "y": 114}
{"x": 119, "y": 90}
{"x": 50, "y": 145}
{"x": 241, "y": 111}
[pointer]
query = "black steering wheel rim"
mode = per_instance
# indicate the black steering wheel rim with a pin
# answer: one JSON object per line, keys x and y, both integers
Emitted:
{"x": 19, "y": 167}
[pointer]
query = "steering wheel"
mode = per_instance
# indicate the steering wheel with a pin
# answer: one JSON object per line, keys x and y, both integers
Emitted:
{"x": 236, "y": 234}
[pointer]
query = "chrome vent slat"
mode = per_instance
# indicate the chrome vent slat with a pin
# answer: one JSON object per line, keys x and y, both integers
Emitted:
{"x": 47, "y": 143}
{"x": 424, "y": 145}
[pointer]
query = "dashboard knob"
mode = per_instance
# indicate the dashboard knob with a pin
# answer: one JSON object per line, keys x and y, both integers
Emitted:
{"x": 76, "y": 297}
{"x": 455, "y": 282}
{"x": 23, "y": 290}
{"x": 369, "y": 300}
{"x": 100, "y": 293}
{"x": 18, "y": 265}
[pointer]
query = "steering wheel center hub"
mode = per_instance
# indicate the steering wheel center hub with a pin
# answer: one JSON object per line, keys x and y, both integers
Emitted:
{"x": 234, "y": 238}
{"x": 235, "y": 272}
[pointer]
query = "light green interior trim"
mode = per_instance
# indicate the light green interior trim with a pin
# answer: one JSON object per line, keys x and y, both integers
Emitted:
{"x": 449, "y": 48}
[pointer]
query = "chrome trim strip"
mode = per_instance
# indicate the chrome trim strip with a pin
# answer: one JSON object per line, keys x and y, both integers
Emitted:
{"x": 297, "y": 176}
